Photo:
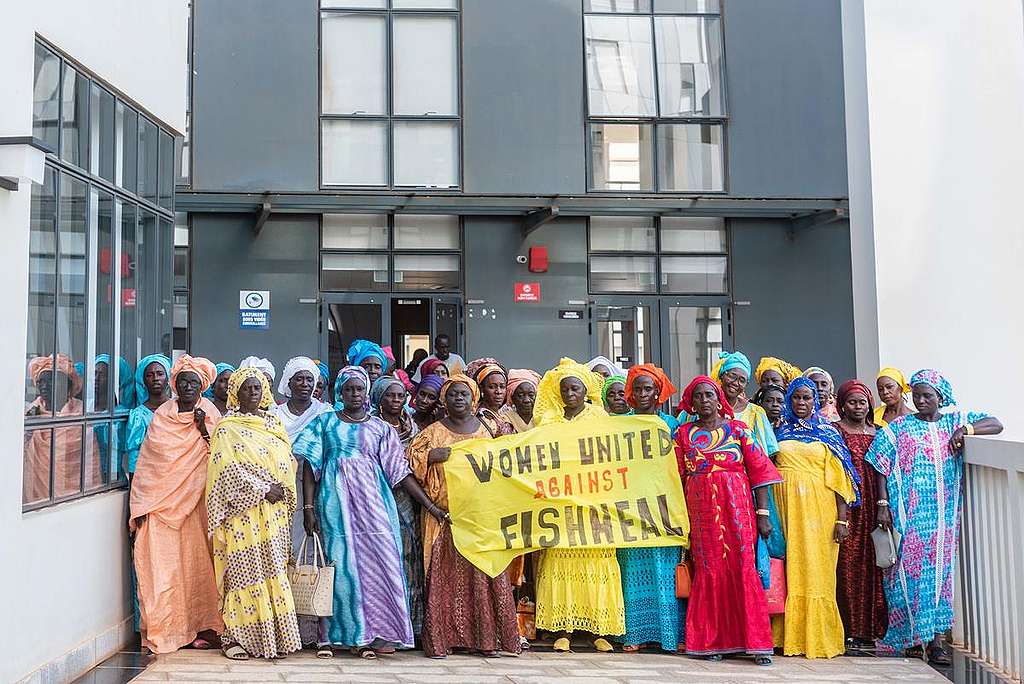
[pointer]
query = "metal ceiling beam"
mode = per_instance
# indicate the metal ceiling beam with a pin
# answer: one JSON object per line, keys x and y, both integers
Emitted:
{"x": 536, "y": 219}
{"x": 817, "y": 219}
{"x": 264, "y": 214}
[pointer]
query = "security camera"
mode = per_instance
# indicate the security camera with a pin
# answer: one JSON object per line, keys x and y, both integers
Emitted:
{"x": 521, "y": 259}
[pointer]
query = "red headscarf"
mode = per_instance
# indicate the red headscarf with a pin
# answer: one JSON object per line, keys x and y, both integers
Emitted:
{"x": 686, "y": 403}
{"x": 665, "y": 387}
{"x": 855, "y": 387}
{"x": 429, "y": 366}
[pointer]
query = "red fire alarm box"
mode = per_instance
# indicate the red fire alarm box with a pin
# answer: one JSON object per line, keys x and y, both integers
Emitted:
{"x": 538, "y": 260}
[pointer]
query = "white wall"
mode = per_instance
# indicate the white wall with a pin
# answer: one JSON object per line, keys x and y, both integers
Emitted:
{"x": 944, "y": 82}
{"x": 64, "y": 568}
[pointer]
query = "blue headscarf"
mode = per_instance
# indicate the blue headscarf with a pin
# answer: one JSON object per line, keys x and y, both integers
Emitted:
{"x": 126, "y": 380}
{"x": 380, "y": 386}
{"x": 141, "y": 393}
{"x": 728, "y": 361}
{"x": 933, "y": 378}
{"x": 816, "y": 428}
{"x": 325, "y": 372}
{"x": 221, "y": 367}
{"x": 360, "y": 350}
{"x": 344, "y": 375}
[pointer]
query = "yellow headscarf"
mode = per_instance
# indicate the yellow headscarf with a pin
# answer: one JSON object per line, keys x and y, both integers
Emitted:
{"x": 897, "y": 375}
{"x": 788, "y": 371}
{"x": 240, "y": 376}
{"x": 549, "y": 406}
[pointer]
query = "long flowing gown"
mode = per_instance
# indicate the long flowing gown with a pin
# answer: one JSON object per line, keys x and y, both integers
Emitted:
{"x": 924, "y": 478}
{"x": 358, "y": 465}
{"x": 135, "y": 433}
{"x": 806, "y": 497}
{"x": 859, "y": 581}
{"x": 178, "y": 595}
{"x": 653, "y": 613}
{"x": 251, "y": 536}
{"x": 727, "y": 611}
{"x": 465, "y": 608}
{"x": 580, "y": 589}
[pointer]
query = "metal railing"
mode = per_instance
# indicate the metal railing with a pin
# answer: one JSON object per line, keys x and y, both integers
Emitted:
{"x": 989, "y": 596}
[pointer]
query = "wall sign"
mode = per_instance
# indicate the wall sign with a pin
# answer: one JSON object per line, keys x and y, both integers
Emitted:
{"x": 254, "y": 309}
{"x": 570, "y": 314}
{"x": 527, "y": 292}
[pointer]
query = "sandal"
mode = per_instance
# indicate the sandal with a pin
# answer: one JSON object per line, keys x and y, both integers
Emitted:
{"x": 200, "y": 644}
{"x": 630, "y": 648}
{"x": 937, "y": 655}
{"x": 235, "y": 652}
{"x": 524, "y": 643}
{"x": 364, "y": 652}
{"x": 561, "y": 645}
{"x": 714, "y": 657}
{"x": 325, "y": 652}
{"x": 603, "y": 646}
{"x": 490, "y": 654}
{"x": 384, "y": 650}
{"x": 762, "y": 660}
{"x": 914, "y": 652}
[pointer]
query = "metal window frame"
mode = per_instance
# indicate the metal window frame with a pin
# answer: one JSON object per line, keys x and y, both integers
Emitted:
{"x": 389, "y": 12}
{"x": 656, "y": 120}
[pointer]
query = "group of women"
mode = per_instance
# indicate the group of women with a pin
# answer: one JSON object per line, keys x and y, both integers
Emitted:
{"x": 220, "y": 472}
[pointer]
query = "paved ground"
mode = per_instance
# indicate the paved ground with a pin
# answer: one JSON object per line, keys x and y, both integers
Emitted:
{"x": 530, "y": 668}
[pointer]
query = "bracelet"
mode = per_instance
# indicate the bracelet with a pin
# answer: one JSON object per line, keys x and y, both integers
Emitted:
{"x": 764, "y": 512}
{"x": 307, "y": 507}
{"x": 884, "y": 503}
{"x": 969, "y": 427}
{"x": 844, "y": 523}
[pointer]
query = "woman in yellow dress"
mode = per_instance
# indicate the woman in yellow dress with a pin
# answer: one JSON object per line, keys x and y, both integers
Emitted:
{"x": 250, "y": 496}
{"x": 818, "y": 484}
{"x": 892, "y": 389}
{"x": 577, "y": 589}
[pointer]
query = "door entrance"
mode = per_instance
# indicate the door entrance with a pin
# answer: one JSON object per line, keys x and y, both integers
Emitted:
{"x": 405, "y": 323}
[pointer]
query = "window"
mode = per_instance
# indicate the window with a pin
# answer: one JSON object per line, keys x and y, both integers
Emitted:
{"x": 389, "y": 93}
{"x": 672, "y": 255}
{"x": 90, "y": 277}
{"x": 655, "y": 95}
{"x": 390, "y": 253}
{"x": 182, "y": 286}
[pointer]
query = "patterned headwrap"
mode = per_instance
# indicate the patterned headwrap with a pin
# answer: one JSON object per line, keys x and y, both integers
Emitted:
{"x": 788, "y": 371}
{"x": 125, "y": 380}
{"x": 615, "y": 368}
{"x": 239, "y": 377}
{"x": 263, "y": 364}
{"x": 40, "y": 364}
{"x": 344, "y": 375}
{"x": 479, "y": 369}
{"x": 606, "y": 386}
{"x": 896, "y": 375}
{"x": 686, "y": 402}
{"x": 432, "y": 382}
{"x": 817, "y": 369}
{"x": 728, "y": 361}
{"x": 380, "y": 386}
{"x": 461, "y": 379}
{"x": 360, "y": 350}
{"x": 664, "y": 386}
{"x": 549, "y": 406}
{"x": 516, "y": 377}
{"x": 816, "y": 428}
{"x": 430, "y": 365}
{"x": 294, "y": 365}
{"x": 325, "y": 372}
{"x": 141, "y": 393}
{"x": 204, "y": 368}
{"x": 932, "y": 377}
{"x": 855, "y": 387}
{"x": 221, "y": 367}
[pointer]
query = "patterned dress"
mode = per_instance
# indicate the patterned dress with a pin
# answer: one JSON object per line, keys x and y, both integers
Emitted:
{"x": 859, "y": 581}
{"x": 924, "y": 478}
{"x": 727, "y": 611}
{"x": 357, "y": 466}
{"x": 251, "y": 536}
{"x": 653, "y": 613}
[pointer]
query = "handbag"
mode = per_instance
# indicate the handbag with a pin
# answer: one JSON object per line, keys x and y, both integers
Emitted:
{"x": 887, "y": 544}
{"x": 312, "y": 583}
{"x": 764, "y": 566}
{"x": 776, "y": 593}
{"x": 684, "y": 577}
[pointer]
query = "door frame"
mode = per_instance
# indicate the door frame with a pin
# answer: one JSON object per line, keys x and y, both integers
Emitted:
{"x": 649, "y": 300}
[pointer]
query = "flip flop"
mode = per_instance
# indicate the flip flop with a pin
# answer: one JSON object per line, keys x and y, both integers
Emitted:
{"x": 630, "y": 648}
{"x": 561, "y": 645}
{"x": 762, "y": 660}
{"x": 603, "y": 645}
{"x": 200, "y": 644}
{"x": 325, "y": 652}
{"x": 235, "y": 652}
{"x": 364, "y": 652}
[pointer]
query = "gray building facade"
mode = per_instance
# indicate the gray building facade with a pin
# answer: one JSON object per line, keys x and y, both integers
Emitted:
{"x": 383, "y": 167}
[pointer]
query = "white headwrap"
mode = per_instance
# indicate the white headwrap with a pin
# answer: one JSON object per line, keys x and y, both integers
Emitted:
{"x": 615, "y": 368}
{"x": 294, "y": 365}
{"x": 263, "y": 364}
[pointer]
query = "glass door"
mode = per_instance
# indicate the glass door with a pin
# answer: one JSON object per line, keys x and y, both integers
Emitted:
{"x": 625, "y": 329}
{"x": 448, "y": 321}
{"x": 348, "y": 317}
{"x": 694, "y": 330}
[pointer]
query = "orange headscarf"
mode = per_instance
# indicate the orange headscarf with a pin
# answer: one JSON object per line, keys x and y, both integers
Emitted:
{"x": 204, "y": 368}
{"x": 665, "y": 387}
{"x": 65, "y": 365}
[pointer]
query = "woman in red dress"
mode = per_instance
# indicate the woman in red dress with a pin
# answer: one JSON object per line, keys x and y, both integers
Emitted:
{"x": 720, "y": 463}
{"x": 859, "y": 590}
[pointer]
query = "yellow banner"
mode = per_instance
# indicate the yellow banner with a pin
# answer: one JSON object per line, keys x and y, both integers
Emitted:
{"x": 610, "y": 482}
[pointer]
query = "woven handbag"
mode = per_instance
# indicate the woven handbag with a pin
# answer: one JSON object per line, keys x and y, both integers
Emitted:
{"x": 312, "y": 582}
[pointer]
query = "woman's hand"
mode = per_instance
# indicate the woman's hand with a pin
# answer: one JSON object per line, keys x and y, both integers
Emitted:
{"x": 440, "y": 514}
{"x": 884, "y": 517}
{"x": 956, "y": 442}
{"x": 764, "y": 526}
{"x": 840, "y": 533}
{"x": 309, "y": 521}
{"x": 275, "y": 493}
{"x": 439, "y": 454}
{"x": 200, "y": 420}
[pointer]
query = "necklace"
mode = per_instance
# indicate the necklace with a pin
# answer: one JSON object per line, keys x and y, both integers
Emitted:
{"x": 366, "y": 417}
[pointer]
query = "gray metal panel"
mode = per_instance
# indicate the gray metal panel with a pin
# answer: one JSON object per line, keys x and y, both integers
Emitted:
{"x": 525, "y": 335}
{"x": 255, "y": 95}
{"x": 800, "y": 294}
{"x": 522, "y": 89}
{"x": 227, "y": 258}
{"x": 784, "y": 62}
